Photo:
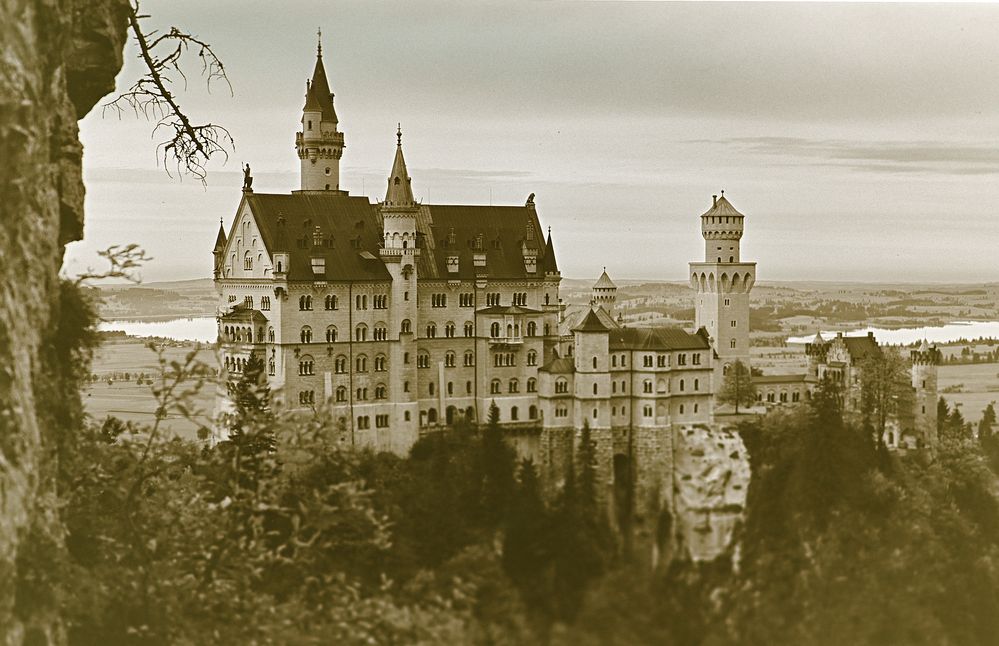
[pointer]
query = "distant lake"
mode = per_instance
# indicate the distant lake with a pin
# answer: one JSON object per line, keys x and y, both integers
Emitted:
{"x": 906, "y": 336}
{"x": 202, "y": 328}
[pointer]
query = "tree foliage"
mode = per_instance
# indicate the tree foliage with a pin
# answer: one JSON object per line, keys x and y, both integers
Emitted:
{"x": 738, "y": 388}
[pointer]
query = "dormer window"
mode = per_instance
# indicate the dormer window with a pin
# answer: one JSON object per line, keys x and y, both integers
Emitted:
{"x": 396, "y": 182}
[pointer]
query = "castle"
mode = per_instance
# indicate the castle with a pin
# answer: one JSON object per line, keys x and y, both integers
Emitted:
{"x": 405, "y": 317}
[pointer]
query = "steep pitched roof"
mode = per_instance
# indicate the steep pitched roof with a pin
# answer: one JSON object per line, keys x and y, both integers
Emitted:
{"x": 562, "y": 365}
{"x": 591, "y": 323}
{"x": 547, "y": 262}
{"x": 287, "y": 223}
{"x": 321, "y": 88}
{"x": 400, "y": 190}
{"x": 220, "y": 239}
{"x": 722, "y": 207}
{"x": 604, "y": 282}
{"x": 656, "y": 338}
{"x": 502, "y": 230}
{"x": 861, "y": 347}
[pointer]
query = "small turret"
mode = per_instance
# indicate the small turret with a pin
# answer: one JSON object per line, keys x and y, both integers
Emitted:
{"x": 399, "y": 210}
{"x": 604, "y": 293}
{"x": 400, "y": 190}
{"x": 319, "y": 143}
{"x": 219, "y": 251}
{"x": 925, "y": 360}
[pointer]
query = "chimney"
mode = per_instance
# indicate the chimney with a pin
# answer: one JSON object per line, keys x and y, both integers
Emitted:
{"x": 714, "y": 200}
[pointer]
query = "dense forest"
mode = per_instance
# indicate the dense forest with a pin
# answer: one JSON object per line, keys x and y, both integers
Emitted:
{"x": 282, "y": 535}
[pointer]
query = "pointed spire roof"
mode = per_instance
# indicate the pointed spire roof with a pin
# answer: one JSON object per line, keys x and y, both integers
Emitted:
{"x": 722, "y": 207}
{"x": 591, "y": 323}
{"x": 550, "y": 265}
{"x": 220, "y": 239}
{"x": 604, "y": 282}
{"x": 311, "y": 102}
{"x": 320, "y": 88}
{"x": 924, "y": 346}
{"x": 818, "y": 340}
{"x": 400, "y": 190}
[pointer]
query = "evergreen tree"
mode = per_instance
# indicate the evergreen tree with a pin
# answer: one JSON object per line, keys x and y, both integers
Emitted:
{"x": 943, "y": 411}
{"x": 738, "y": 388}
{"x": 498, "y": 462}
{"x": 250, "y": 426}
{"x": 986, "y": 423}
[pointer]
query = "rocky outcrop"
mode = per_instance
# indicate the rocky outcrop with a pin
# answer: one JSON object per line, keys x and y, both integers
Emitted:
{"x": 59, "y": 57}
{"x": 711, "y": 476}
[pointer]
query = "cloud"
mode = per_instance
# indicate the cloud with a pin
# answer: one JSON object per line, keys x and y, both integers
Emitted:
{"x": 945, "y": 158}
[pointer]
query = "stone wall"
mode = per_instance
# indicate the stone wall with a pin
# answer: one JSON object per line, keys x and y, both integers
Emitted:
{"x": 59, "y": 58}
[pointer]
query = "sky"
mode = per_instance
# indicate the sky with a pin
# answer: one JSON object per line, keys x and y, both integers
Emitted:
{"x": 860, "y": 140}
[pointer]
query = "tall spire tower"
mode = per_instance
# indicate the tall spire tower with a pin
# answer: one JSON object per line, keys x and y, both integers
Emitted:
{"x": 319, "y": 144}
{"x": 722, "y": 283}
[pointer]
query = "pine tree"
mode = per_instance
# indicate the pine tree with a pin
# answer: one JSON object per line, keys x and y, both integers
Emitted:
{"x": 529, "y": 545}
{"x": 498, "y": 462}
{"x": 251, "y": 438}
{"x": 738, "y": 388}
{"x": 986, "y": 423}
{"x": 943, "y": 411}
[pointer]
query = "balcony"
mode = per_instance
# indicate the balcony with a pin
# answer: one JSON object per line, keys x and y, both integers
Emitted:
{"x": 500, "y": 341}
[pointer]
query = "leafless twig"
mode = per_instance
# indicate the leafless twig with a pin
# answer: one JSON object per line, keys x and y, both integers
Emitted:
{"x": 189, "y": 145}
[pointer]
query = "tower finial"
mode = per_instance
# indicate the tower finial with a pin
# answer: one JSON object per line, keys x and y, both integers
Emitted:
{"x": 723, "y": 192}
{"x": 398, "y": 135}
{"x": 319, "y": 42}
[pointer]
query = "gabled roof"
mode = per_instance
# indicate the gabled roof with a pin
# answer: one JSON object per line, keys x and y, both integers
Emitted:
{"x": 591, "y": 323}
{"x": 352, "y": 225}
{"x": 722, "y": 207}
{"x": 861, "y": 347}
{"x": 562, "y": 365}
{"x": 241, "y": 313}
{"x": 502, "y": 230}
{"x": 321, "y": 88}
{"x": 604, "y": 282}
{"x": 656, "y": 338}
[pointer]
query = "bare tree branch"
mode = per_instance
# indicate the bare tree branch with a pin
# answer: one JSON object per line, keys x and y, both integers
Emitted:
{"x": 188, "y": 144}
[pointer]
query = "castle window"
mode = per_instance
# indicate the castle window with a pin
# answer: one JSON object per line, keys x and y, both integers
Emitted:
{"x": 381, "y": 392}
{"x": 423, "y": 360}
{"x": 681, "y": 409}
{"x": 532, "y": 412}
{"x": 361, "y": 332}
{"x": 331, "y": 334}
{"x": 405, "y": 358}
{"x": 532, "y": 328}
{"x": 449, "y": 330}
{"x": 270, "y": 369}
{"x": 305, "y": 303}
{"x": 306, "y": 334}
{"x": 310, "y": 124}
{"x": 380, "y": 363}
{"x": 363, "y": 423}
{"x": 614, "y": 361}
{"x": 647, "y": 361}
{"x": 594, "y": 413}
{"x": 466, "y": 300}
{"x": 731, "y": 258}
{"x": 382, "y": 421}
{"x": 361, "y": 302}
{"x": 468, "y": 390}
{"x": 248, "y": 261}
{"x": 513, "y": 386}
{"x": 681, "y": 385}
{"x": 469, "y": 358}
{"x": 731, "y": 343}
{"x": 469, "y": 329}
{"x": 450, "y": 388}
{"x": 681, "y": 359}
{"x": 594, "y": 389}
{"x": 380, "y": 301}
{"x": 307, "y": 397}
{"x": 594, "y": 363}
{"x": 532, "y": 385}
{"x": 494, "y": 330}
{"x": 494, "y": 386}
{"x": 340, "y": 365}
{"x": 732, "y": 323}
{"x": 306, "y": 366}
{"x": 449, "y": 360}
{"x": 341, "y": 394}
{"x": 647, "y": 386}
{"x": 331, "y": 302}
{"x": 406, "y": 416}
{"x": 647, "y": 411}
{"x": 430, "y": 388}
{"x": 513, "y": 413}
{"x": 695, "y": 408}
{"x": 362, "y": 394}
{"x": 728, "y": 302}
{"x": 661, "y": 360}
{"x": 561, "y": 386}
{"x": 613, "y": 387}
{"x": 696, "y": 358}
{"x": 381, "y": 332}
{"x": 265, "y": 303}
{"x": 796, "y": 396}
{"x": 532, "y": 358}
{"x": 248, "y": 302}
{"x": 406, "y": 327}
{"x": 697, "y": 383}
{"x": 431, "y": 330}
{"x": 361, "y": 364}
{"x": 783, "y": 397}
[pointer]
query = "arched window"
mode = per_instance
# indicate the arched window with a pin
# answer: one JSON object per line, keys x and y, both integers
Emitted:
{"x": 431, "y": 388}
{"x": 340, "y": 364}
{"x": 381, "y": 332}
{"x": 270, "y": 366}
{"x": 594, "y": 389}
{"x": 331, "y": 302}
{"x": 594, "y": 363}
{"x": 406, "y": 327}
{"x": 532, "y": 358}
{"x": 331, "y": 334}
{"x": 494, "y": 330}
{"x": 361, "y": 332}
{"x": 532, "y": 385}
{"x": 513, "y": 413}
{"x": 423, "y": 360}
{"x": 306, "y": 334}
{"x": 561, "y": 385}
{"x": 380, "y": 363}
{"x": 431, "y": 330}
{"x": 469, "y": 358}
{"x": 270, "y": 335}
{"x": 494, "y": 386}
{"x": 306, "y": 365}
{"x": 532, "y": 328}
{"x": 450, "y": 388}
{"x": 381, "y": 391}
{"x": 532, "y": 412}
{"x": 514, "y": 386}
{"x": 449, "y": 360}
{"x": 361, "y": 363}
{"x": 247, "y": 261}
{"x": 341, "y": 394}
{"x": 469, "y": 329}
{"x": 449, "y": 330}
{"x": 432, "y": 416}
{"x": 305, "y": 302}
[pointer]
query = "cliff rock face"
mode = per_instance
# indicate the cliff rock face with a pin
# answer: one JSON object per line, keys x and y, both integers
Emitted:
{"x": 59, "y": 58}
{"x": 711, "y": 479}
